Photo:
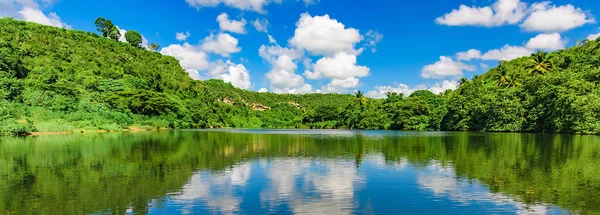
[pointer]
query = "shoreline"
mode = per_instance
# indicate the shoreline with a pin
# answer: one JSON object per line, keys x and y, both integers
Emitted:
{"x": 131, "y": 130}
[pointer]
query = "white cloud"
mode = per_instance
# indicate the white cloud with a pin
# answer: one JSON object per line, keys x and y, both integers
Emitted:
{"x": 321, "y": 35}
{"x": 237, "y": 75}
{"x": 437, "y": 88}
{"x": 340, "y": 66}
{"x": 445, "y": 67}
{"x": 506, "y": 53}
{"x": 31, "y": 11}
{"x": 546, "y": 18}
{"x": 223, "y": 44}
{"x": 37, "y": 16}
{"x": 271, "y": 39}
{"x": 468, "y": 55}
{"x": 263, "y": 90}
{"x": 190, "y": 57}
{"x": 252, "y": 5}
{"x": 500, "y": 13}
{"x": 373, "y": 37}
{"x": 593, "y": 36}
{"x": 548, "y": 42}
{"x": 282, "y": 77}
{"x": 261, "y": 25}
{"x": 341, "y": 85}
{"x": 182, "y": 36}
{"x": 540, "y": 17}
{"x": 282, "y": 74}
{"x": 235, "y": 26}
{"x": 271, "y": 53}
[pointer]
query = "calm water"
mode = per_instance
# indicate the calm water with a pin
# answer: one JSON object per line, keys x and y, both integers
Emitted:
{"x": 300, "y": 172}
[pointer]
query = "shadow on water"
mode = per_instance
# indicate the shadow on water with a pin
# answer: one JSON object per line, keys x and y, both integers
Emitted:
{"x": 298, "y": 171}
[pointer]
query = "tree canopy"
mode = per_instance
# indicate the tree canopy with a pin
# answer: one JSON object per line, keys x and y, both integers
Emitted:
{"x": 54, "y": 79}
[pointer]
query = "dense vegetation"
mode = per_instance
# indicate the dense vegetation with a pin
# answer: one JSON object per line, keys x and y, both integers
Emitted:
{"x": 53, "y": 79}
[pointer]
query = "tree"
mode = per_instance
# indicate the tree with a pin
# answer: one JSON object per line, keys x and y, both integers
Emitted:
{"x": 541, "y": 63}
{"x": 114, "y": 33}
{"x": 133, "y": 38}
{"x": 463, "y": 81}
{"x": 153, "y": 46}
{"x": 107, "y": 28}
{"x": 360, "y": 99}
{"x": 501, "y": 76}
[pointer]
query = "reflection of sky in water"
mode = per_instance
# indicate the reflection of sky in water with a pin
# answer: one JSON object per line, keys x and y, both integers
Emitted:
{"x": 316, "y": 186}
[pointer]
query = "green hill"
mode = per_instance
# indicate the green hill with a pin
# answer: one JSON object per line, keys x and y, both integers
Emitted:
{"x": 53, "y": 79}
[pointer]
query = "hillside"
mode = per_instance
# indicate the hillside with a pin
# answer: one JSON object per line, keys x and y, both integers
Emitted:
{"x": 53, "y": 79}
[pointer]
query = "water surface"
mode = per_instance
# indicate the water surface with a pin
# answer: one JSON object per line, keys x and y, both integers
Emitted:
{"x": 300, "y": 172}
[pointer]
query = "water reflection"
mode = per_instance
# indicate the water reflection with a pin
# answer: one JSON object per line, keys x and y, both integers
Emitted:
{"x": 344, "y": 172}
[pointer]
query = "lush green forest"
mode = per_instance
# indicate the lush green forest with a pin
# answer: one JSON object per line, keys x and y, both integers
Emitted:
{"x": 54, "y": 79}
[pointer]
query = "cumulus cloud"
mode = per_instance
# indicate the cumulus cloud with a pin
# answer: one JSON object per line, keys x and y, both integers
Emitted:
{"x": 237, "y": 75}
{"x": 437, "y": 88}
{"x": 261, "y": 25}
{"x": 195, "y": 61}
{"x": 500, "y": 13}
{"x": 468, "y": 55}
{"x": 548, "y": 42}
{"x": 321, "y": 35}
{"x": 190, "y": 57}
{"x": 539, "y": 17}
{"x": 445, "y": 67}
{"x": 37, "y": 16}
{"x": 31, "y": 11}
{"x": 341, "y": 66}
{"x": 550, "y": 18}
{"x": 593, "y": 36}
{"x": 283, "y": 77}
{"x": 341, "y": 85}
{"x": 271, "y": 53}
{"x": 506, "y": 53}
{"x": 235, "y": 26}
{"x": 223, "y": 44}
{"x": 263, "y": 90}
{"x": 182, "y": 36}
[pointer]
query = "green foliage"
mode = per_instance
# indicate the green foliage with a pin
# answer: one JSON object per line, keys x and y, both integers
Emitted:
{"x": 133, "y": 38}
{"x": 85, "y": 81}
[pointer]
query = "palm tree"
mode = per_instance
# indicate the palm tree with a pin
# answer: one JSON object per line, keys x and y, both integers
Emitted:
{"x": 541, "y": 63}
{"x": 360, "y": 99}
{"x": 501, "y": 76}
{"x": 463, "y": 81}
{"x": 513, "y": 80}
{"x": 391, "y": 94}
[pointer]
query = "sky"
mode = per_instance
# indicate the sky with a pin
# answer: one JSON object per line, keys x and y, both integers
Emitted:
{"x": 332, "y": 46}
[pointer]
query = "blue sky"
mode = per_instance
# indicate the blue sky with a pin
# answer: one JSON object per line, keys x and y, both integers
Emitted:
{"x": 329, "y": 46}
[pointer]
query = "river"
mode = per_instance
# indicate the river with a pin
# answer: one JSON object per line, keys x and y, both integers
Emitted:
{"x": 300, "y": 172}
